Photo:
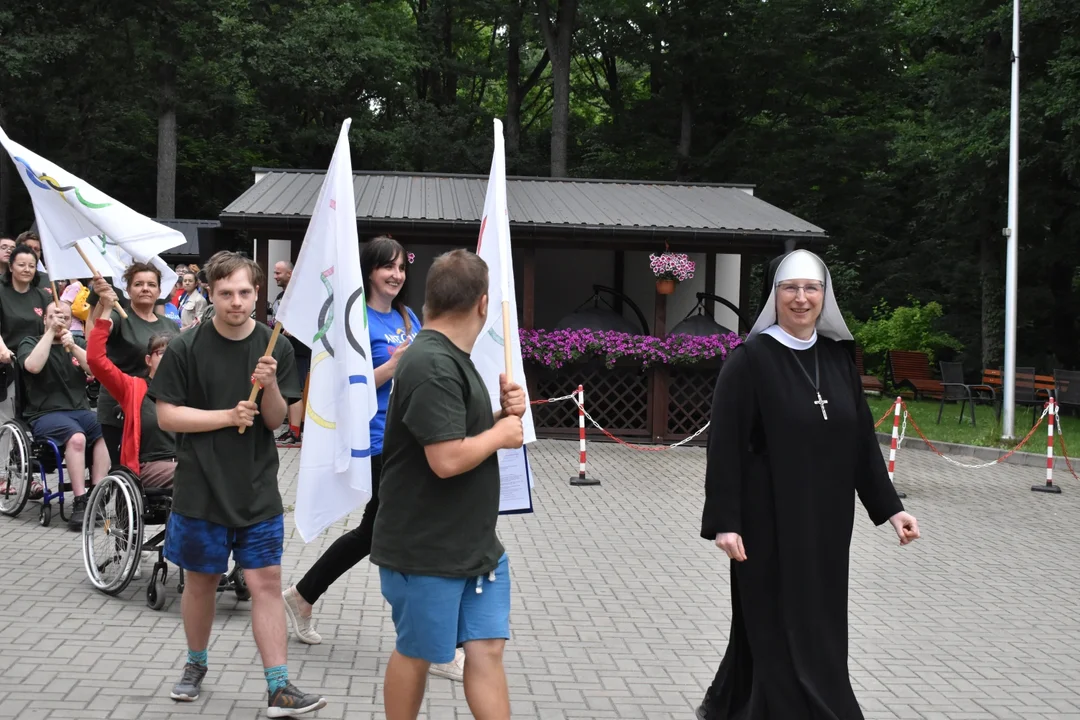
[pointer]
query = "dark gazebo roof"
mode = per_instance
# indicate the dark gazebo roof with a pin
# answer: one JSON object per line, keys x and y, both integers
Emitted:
{"x": 571, "y": 211}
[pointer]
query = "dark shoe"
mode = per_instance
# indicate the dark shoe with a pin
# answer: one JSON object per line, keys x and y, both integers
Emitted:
{"x": 290, "y": 702}
{"x": 287, "y": 440}
{"x": 187, "y": 690}
{"x": 78, "y": 512}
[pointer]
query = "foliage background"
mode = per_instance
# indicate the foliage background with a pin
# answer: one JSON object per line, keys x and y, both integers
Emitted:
{"x": 883, "y": 121}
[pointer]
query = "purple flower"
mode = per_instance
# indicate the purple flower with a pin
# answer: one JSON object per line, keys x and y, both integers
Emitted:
{"x": 556, "y": 348}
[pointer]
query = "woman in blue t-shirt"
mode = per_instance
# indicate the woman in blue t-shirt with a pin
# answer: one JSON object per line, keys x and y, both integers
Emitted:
{"x": 391, "y": 327}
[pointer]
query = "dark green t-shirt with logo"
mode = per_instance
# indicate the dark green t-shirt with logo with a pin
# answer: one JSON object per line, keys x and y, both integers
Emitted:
{"x": 22, "y": 314}
{"x": 126, "y": 347}
{"x": 222, "y": 476}
{"x": 61, "y": 384}
{"x": 427, "y": 525}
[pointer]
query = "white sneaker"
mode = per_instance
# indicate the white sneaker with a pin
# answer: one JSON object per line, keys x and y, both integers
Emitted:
{"x": 304, "y": 627}
{"x": 453, "y": 670}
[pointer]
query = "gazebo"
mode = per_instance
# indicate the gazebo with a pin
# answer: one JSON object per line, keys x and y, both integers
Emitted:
{"x": 570, "y": 237}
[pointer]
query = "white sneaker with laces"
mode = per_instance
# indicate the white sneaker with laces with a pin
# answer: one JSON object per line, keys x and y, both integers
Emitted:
{"x": 304, "y": 627}
{"x": 453, "y": 670}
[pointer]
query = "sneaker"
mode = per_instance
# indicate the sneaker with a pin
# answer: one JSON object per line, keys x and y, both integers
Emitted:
{"x": 78, "y": 512}
{"x": 304, "y": 627}
{"x": 287, "y": 440}
{"x": 290, "y": 702}
{"x": 187, "y": 690}
{"x": 453, "y": 670}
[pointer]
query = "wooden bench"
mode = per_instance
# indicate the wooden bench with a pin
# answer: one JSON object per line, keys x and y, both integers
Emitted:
{"x": 870, "y": 383}
{"x": 1044, "y": 384}
{"x": 911, "y": 369}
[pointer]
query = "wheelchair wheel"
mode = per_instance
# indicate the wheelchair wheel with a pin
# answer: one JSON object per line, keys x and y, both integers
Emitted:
{"x": 112, "y": 534}
{"x": 16, "y": 479}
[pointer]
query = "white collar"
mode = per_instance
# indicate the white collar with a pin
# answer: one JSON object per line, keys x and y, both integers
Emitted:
{"x": 788, "y": 340}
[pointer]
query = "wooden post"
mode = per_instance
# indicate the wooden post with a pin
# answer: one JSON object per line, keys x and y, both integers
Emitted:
{"x": 529, "y": 289}
{"x": 746, "y": 263}
{"x": 710, "y": 284}
{"x": 303, "y": 412}
{"x": 619, "y": 281}
{"x": 659, "y": 385}
{"x": 262, "y": 256}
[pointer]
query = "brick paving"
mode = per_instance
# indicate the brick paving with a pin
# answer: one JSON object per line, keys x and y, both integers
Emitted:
{"x": 619, "y": 610}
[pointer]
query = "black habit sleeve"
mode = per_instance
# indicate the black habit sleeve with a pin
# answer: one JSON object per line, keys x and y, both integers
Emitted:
{"x": 733, "y": 413}
{"x": 872, "y": 481}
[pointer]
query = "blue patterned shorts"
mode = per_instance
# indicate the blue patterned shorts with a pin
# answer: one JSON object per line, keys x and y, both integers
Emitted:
{"x": 202, "y": 546}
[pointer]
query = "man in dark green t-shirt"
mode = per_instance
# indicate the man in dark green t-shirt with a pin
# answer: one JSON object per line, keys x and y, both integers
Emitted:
{"x": 442, "y": 567}
{"x": 56, "y": 406}
{"x": 225, "y": 492}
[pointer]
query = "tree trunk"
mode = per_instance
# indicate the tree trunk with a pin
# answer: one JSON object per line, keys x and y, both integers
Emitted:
{"x": 686, "y": 130}
{"x": 6, "y": 177}
{"x": 166, "y": 162}
{"x": 992, "y": 308}
{"x": 449, "y": 75}
{"x": 514, "y": 95}
{"x": 558, "y": 38}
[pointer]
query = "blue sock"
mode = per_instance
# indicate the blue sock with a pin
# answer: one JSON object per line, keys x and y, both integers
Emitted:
{"x": 197, "y": 657}
{"x": 277, "y": 677}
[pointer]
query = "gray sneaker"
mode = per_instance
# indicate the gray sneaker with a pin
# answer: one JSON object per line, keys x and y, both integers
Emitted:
{"x": 187, "y": 690}
{"x": 290, "y": 702}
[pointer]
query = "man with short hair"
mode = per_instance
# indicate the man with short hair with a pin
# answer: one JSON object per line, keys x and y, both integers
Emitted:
{"x": 56, "y": 404}
{"x": 291, "y": 437}
{"x": 225, "y": 489}
{"x": 6, "y": 246}
{"x": 442, "y": 567}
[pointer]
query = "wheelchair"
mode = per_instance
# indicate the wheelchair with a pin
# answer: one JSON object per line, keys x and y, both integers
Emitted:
{"x": 117, "y": 515}
{"x": 28, "y": 458}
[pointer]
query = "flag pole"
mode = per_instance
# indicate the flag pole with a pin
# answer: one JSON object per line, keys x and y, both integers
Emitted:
{"x": 255, "y": 387}
{"x": 1012, "y": 232}
{"x": 90, "y": 266}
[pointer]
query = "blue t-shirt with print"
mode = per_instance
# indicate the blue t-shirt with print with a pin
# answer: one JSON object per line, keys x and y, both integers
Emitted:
{"x": 387, "y": 331}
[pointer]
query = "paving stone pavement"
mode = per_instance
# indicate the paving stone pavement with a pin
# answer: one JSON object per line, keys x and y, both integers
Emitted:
{"x": 619, "y": 610}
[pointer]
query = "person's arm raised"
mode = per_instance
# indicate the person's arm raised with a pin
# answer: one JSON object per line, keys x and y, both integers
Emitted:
{"x": 35, "y": 361}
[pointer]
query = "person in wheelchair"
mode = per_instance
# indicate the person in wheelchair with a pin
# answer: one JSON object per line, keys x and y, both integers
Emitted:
{"x": 146, "y": 449}
{"x": 56, "y": 405}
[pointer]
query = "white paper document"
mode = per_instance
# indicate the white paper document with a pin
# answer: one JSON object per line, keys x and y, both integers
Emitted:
{"x": 515, "y": 495}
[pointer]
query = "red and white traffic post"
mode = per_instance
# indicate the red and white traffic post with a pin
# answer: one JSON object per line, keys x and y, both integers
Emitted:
{"x": 580, "y": 478}
{"x": 1049, "y": 486}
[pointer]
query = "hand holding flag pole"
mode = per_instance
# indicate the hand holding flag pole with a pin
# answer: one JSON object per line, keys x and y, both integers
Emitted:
{"x": 116, "y": 303}
{"x": 255, "y": 387}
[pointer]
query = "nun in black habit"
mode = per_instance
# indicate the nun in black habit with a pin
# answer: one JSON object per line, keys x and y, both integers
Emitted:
{"x": 791, "y": 443}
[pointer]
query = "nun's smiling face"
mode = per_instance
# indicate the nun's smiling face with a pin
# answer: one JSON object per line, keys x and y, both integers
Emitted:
{"x": 798, "y": 306}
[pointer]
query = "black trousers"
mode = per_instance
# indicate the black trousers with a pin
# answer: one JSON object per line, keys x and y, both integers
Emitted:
{"x": 347, "y": 550}
{"x": 113, "y": 437}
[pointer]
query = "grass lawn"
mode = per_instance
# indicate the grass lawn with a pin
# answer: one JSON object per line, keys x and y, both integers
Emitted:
{"x": 987, "y": 433}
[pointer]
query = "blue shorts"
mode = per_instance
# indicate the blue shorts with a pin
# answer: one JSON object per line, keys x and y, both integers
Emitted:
{"x": 435, "y": 615}
{"x": 60, "y": 425}
{"x": 203, "y": 546}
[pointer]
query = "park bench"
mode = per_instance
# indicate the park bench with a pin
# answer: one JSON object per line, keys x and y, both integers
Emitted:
{"x": 870, "y": 383}
{"x": 911, "y": 369}
{"x": 1067, "y": 388}
{"x": 1031, "y": 389}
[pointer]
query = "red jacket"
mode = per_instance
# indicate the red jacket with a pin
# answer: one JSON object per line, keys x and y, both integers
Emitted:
{"x": 128, "y": 390}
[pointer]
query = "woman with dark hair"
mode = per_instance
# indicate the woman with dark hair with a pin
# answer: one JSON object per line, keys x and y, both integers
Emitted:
{"x": 391, "y": 327}
{"x": 128, "y": 337}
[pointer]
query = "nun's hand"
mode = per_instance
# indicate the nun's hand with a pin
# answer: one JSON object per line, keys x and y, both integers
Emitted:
{"x": 906, "y": 526}
{"x": 731, "y": 543}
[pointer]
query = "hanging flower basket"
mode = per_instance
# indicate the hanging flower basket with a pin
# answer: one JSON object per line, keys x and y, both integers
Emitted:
{"x": 670, "y": 268}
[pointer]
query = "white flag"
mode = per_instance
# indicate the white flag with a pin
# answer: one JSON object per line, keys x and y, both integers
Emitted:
{"x": 70, "y": 210}
{"x": 324, "y": 307}
{"x": 488, "y": 353}
{"x": 109, "y": 259}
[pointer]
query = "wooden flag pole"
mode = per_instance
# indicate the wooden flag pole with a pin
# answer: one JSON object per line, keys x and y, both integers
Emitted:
{"x": 90, "y": 266}
{"x": 255, "y": 387}
{"x": 507, "y": 354}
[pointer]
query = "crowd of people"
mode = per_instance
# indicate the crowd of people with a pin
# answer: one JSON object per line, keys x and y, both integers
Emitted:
{"x": 173, "y": 409}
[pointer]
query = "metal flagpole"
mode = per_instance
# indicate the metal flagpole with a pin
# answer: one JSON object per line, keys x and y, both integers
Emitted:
{"x": 1008, "y": 417}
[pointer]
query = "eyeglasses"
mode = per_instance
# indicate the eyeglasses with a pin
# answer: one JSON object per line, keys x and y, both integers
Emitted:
{"x": 810, "y": 290}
